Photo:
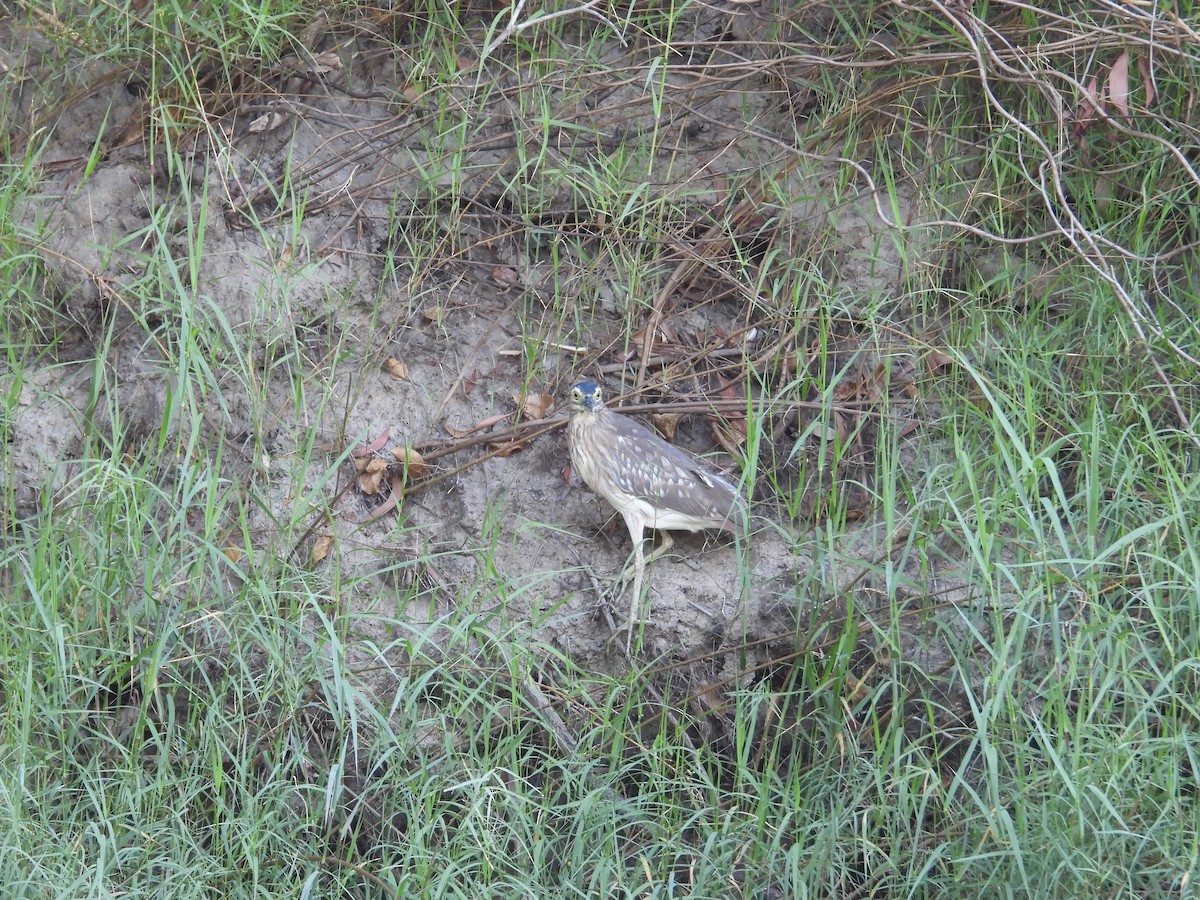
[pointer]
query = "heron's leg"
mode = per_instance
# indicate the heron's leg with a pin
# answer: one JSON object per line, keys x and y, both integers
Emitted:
{"x": 639, "y": 570}
{"x": 664, "y": 547}
{"x": 637, "y": 526}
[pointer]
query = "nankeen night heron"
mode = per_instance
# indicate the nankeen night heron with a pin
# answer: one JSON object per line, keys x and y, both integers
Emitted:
{"x": 651, "y": 483}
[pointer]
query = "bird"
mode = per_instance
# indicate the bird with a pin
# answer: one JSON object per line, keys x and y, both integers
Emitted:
{"x": 651, "y": 483}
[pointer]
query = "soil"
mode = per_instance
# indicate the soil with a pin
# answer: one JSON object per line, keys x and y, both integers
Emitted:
{"x": 509, "y": 306}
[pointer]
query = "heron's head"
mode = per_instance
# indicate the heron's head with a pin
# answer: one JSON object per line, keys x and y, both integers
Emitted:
{"x": 586, "y": 397}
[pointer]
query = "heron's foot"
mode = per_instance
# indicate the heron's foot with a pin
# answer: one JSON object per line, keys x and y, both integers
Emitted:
{"x": 664, "y": 547}
{"x": 608, "y": 597}
{"x": 630, "y": 628}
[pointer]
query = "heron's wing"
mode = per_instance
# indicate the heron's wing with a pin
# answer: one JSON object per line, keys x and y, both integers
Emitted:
{"x": 670, "y": 479}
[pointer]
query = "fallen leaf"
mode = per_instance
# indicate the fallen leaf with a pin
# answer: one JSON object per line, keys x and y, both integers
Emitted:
{"x": 373, "y": 447}
{"x": 397, "y": 369}
{"x": 503, "y": 449}
{"x": 1147, "y": 79}
{"x": 479, "y": 426}
{"x": 842, "y": 427}
{"x": 736, "y": 421}
{"x": 371, "y": 473}
{"x": 268, "y": 121}
{"x": 413, "y": 462}
{"x": 434, "y": 314}
{"x": 505, "y": 276}
{"x": 664, "y": 334}
{"x": 850, "y": 390}
{"x": 903, "y": 375}
{"x": 858, "y": 689}
{"x": 667, "y": 423}
{"x": 712, "y": 698}
{"x": 1091, "y": 95}
{"x": 321, "y": 547}
{"x": 1089, "y": 108}
{"x": 534, "y": 406}
{"x": 392, "y": 501}
{"x": 936, "y": 360}
{"x": 325, "y": 62}
{"x": 1118, "y": 84}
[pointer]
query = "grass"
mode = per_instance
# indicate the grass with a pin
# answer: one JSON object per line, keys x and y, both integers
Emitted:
{"x": 983, "y": 674}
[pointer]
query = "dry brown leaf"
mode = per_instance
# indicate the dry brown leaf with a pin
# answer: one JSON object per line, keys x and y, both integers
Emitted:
{"x": 434, "y": 314}
{"x": 397, "y": 369}
{"x": 903, "y": 375}
{"x": 321, "y": 547}
{"x": 390, "y": 503}
{"x": 936, "y": 360}
{"x": 413, "y": 462}
{"x": 712, "y": 698}
{"x": 842, "y": 428}
{"x": 371, "y": 473}
{"x": 1118, "y": 84}
{"x": 879, "y": 376}
{"x": 481, "y": 425}
{"x": 858, "y": 690}
{"x": 1089, "y": 108}
{"x": 667, "y": 423}
{"x": 325, "y": 62}
{"x": 484, "y": 424}
{"x": 664, "y": 334}
{"x": 1147, "y": 80}
{"x": 268, "y": 121}
{"x": 737, "y": 423}
{"x": 373, "y": 447}
{"x": 505, "y": 276}
{"x": 507, "y": 448}
{"x": 849, "y": 390}
{"x": 534, "y": 406}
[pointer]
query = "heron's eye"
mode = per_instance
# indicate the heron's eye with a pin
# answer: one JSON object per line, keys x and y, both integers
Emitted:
{"x": 576, "y": 394}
